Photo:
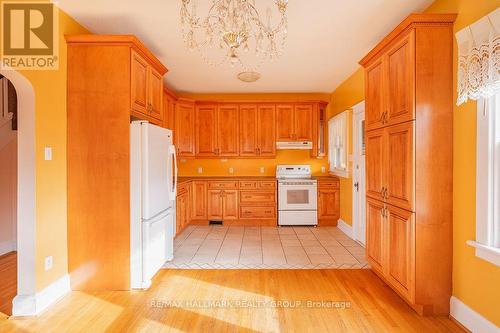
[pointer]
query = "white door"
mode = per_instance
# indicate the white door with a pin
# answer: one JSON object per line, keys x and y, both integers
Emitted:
{"x": 358, "y": 174}
{"x": 156, "y": 170}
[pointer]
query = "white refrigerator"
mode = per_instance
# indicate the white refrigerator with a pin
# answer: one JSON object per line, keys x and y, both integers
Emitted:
{"x": 153, "y": 185}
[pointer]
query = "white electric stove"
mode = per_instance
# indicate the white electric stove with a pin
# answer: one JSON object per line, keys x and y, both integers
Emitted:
{"x": 297, "y": 195}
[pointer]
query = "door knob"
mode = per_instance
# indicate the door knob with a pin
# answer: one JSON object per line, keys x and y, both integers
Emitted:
{"x": 356, "y": 185}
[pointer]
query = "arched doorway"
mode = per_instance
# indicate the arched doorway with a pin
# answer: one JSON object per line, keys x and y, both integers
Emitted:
{"x": 26, "y": 227}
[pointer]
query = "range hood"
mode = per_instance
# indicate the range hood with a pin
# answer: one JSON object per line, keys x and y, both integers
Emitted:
{"x": 294, "y": 145}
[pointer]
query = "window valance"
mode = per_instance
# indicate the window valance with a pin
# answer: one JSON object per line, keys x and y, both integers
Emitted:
{"x": 479, "y": 58}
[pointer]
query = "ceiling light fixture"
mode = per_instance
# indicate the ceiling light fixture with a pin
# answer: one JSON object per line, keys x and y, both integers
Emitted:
{"x": 234, "y": 31}
{"x": 248, "y": 76}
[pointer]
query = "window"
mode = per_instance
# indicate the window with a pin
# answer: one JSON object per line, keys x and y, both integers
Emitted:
{"x": 338, "y": 132}
{"x": 487, "y": 241}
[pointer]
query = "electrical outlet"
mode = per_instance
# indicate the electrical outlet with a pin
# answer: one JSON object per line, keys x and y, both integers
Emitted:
{"x": 231, "y": 170}
{"x": 323, "y": 169}
{"x": 49, "y": 261}
{"x": 262, "y": 170}
{"x": 200, "y": 170}
{"x": 48, "y": 153}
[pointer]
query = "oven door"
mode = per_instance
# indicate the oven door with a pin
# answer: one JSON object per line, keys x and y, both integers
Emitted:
{"x": 297, "y": 195}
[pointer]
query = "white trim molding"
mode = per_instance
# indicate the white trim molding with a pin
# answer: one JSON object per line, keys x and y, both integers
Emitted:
{"x": 488, "y": 253}
{"x": 7, "y": 246}
{"x": 469, "y": 318}
{"x": 32, "y": 305}
{"x": 345, "y": 228}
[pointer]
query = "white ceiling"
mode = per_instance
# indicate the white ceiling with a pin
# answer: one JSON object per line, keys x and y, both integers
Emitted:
{"x": 326, "y": 39}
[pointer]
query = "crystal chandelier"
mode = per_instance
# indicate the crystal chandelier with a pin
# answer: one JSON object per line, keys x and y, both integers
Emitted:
{"x": 234, "y": 31}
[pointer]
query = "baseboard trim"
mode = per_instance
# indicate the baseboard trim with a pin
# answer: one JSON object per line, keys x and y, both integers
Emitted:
{"x": 33, "y": 305}
{"x": 7, "y": 246}
{"x": 346, "y": 228}
{"x": 469, "y": 318}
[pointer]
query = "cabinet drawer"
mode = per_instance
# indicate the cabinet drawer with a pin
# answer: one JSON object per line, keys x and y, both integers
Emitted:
{"x": 248, "y": 185}
{"x": 223, "y": 184}
{"x": 182, "y": 188}
{"x": 267, "y": 185}
{"x": 257, "y": 212}
{"x": 333, "y": 184}
{"x": 261, "y": 198}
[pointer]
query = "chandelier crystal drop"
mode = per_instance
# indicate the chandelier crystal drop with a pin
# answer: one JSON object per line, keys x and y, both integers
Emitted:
{"x": 233, "y": 31}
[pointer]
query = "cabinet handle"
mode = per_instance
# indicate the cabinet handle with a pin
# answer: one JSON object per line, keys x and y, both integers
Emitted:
{"x": 268, "y": 212}
{"x": 258, "y": 151}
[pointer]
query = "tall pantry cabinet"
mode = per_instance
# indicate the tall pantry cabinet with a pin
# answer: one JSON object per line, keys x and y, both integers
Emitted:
{"x": 409, "y": 141}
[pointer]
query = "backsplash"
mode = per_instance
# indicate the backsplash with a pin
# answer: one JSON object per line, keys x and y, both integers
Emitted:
{"x": 251, "y": 167}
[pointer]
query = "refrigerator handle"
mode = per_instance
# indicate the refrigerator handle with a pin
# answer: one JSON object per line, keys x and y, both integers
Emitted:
{"x": 173, "y": 190}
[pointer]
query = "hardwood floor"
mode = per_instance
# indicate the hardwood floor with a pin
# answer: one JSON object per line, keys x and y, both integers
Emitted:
{"x": 373, "y": 307}
{"x": 8, "y": 281}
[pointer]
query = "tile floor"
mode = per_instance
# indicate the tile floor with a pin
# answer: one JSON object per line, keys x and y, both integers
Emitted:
{"x": 235, "y": 247}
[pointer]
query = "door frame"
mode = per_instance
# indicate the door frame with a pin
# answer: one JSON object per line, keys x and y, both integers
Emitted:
{"x": 24, "y": 303}
{"x": 357, "y": 218}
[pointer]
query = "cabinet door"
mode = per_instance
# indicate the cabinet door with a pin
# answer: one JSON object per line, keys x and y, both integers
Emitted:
{"x": 155, "y": 84}
{"x": 375, "y": 92}
{"x": 400, "y": 166}
{"x": 181, "y": 213}
{"x": 199, "y": 200}
{"x": 227, "y": 130}
{"x": 375, "y": 163}
{"x": 266, "y": 130}
{"x": 328, "y": 204}
{"x": 248, "y": 130}
{"x": 206, "y": 130}
{"x": 284, "y": 122}
{"x": 139, "y": 84}
{"x": 375, "y": 231}
{"x": 214, "y": 205}
{"x": 184, "y": 129}
{"x": 230, "y": 205}
{"x": 401, "y": 81}
{"x": 168, "y": 111}
{"x": 400, "y": 250}
{"x": 303, "y": 116}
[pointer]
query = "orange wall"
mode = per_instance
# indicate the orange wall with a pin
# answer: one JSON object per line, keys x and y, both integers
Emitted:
{"x": 475, "y": 281}
{"x": 51, "y": 186}
{"x": 348, "y": 94}
{"x": 251, "y": 167}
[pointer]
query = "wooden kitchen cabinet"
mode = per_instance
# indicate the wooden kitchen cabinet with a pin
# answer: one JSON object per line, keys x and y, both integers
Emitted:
{"x": 108, "y": 77}
{"x": 146, "y": 88}
{"x": 228, "y": 130}
{"x": 183, "y": 207}
{"x": 390, "y": 164}
{"x": 294, "y": 122}
{"x": 285, "y": 129}
{"x": 257, "y": 130}
{"x": 184, "y": 129}
{"x": 375, "y": 234}
{"x": 303, "y": 116}
{"x": 206, "y": 130}
{"x": 169, "y": 103}
{"x": 328, "y": 201}
{"x": 319, "y": 131}
{"x": 400, "y": 258}
{"x": 199, "y": 200}
{"x": 222, "y": 205}
{"x": 409, "y": 160}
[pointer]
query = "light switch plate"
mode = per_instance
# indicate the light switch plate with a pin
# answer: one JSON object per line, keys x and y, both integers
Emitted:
{"x": 323, "y": 169}
{"x": 262, "y": 170}
{"x": 48, "y": 153}
{"x": 49, "y": 261}
{"x": 231, "y": 170}
{"x": 200, "y": 170}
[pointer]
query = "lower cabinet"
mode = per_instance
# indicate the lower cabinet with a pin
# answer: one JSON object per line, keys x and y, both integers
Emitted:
{"x": 199, "y": 200}
{"x": 183, "y": 207}
{"x": 222, "y": 205}
{"x": 390, "y": 248}
{"x": 328, "y": 201}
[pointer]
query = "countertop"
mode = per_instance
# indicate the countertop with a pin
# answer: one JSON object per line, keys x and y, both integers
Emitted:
{"x": 225, "y": 178}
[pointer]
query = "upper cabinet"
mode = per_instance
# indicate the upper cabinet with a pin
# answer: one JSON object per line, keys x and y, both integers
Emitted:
{"x": 257, "y": 130}
{"x": 208, "y": 129}
{"x": 184, "y": 129}
{"x": 146, "y": 88}
{"x": 390, "y": 85}
{"x": 294, "y": 122}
